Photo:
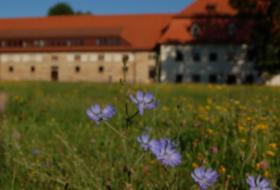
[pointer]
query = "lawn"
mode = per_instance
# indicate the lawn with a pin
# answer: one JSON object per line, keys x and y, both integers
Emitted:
{"x": 48, "y": 142}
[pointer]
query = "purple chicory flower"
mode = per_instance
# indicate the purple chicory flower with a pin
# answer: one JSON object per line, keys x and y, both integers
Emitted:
{"x": 259, "y": 183}
{"x": 165, "y": 152}
{"x": 144, "y": 101}
{"x": 144, "y": 141}
{"x": 98, "y": 115}
{"x": 204, "y": 178}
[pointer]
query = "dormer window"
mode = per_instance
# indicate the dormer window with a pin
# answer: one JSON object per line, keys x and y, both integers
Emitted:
{"x": 210, "y": 7}
{"x": 232, "y": 29}
{"x": 195, "y": 30}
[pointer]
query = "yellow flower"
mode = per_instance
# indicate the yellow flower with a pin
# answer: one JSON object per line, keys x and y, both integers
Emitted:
{"x": 266, "y": 173}
{"x": 210, "y": 132}
{"x": 258, "y": 166}
{"x": 194, "y": 165}
{"x": 241, "y": 128}
{"x": 243, "y": 141}
{"x": 273, "y": 146}
{"x": 261, "y": 127}
{"x": 222, "y": 170}
{"x": 270, "y": 153}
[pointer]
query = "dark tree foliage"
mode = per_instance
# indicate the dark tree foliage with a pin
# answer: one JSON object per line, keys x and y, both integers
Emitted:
{"x": 265, "y": 39}
{"x": 61, "y": 9}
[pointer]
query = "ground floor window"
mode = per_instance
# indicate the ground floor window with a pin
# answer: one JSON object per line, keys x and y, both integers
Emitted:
{"x": 100, "y": 69}
{"x": 179, "y": 78}
{"x": 249, "y": 79}
{"x": 152, "y": 72}
{"x": 32, "y": 69}
{"x": 213, "y": 79}
{"x": 231, "y": 79}
{"x": 11, "y": 69}
{"x": 77, "y": 69}
{"x": 196, "y": 78}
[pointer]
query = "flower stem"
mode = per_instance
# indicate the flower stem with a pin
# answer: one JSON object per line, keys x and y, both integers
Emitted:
{"x": 115, "y": 130}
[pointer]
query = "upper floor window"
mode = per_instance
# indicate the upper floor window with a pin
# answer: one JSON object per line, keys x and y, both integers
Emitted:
{"x": 196, "y": 56}
{"x": 54, "y": 58}
{"x": 232, "y": 29}
{"x": 179, "y": 56}
{"x": 101, "y": 57}
{"x": 195, "y": 30}
{"x": 213, "y": 57}
{"x": 210, "y": 7}
{"x": 77, "y": 58}
{"x": 107, "y": 41}
{"x": 3, "y": 44}
{"x": 230, "y": 56}
{"x": 39, "y": 43}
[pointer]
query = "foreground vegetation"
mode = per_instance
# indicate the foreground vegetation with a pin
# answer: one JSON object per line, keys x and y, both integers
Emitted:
{"x": 48, "y": 142}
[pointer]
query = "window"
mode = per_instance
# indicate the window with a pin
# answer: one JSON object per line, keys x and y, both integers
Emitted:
{"x": 179, "y": 56}
{"x": 125, "y": 58}
{"x": 101, "y": 57}
{"x": 54, "y": 57}
{"x": 11, "y": 69}
{"x": 100, "y": 69}
{"x": 179, "y": 78}
{"x": 77, "y": 58}
{"x": 151, "y": 56}
{"x": 250, "y": 56}
{"x": 196, "y": 56}
{"x": 210, "y": 7}
{"x": 230, "y": 56}
{"x": 152, "y": 72}
{"x": 77, "y": 69}
{"x": 213, "y": 57}
{"x": 32, "y": 69}
{"x": 195, "y": 30}
{"x": 231, "y": 79}
{"x": 249, "y": 79}
{"x": 3, "y": 44}
{"x": 232, "y": 29}
{"x": 195, "y": 78}
{"x": 213, "y": 79}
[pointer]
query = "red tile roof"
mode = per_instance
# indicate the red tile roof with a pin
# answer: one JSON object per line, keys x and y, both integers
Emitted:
{"x": 203, "y": 7}
{"x": 215, "y": 30}
{"x": 140, "y": 31}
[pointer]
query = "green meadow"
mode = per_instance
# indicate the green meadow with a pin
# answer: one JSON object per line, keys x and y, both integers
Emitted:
{"x": 47, "y": 142}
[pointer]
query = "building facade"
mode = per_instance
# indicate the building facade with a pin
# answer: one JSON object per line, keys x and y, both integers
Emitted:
{"x": 203, "y": 43}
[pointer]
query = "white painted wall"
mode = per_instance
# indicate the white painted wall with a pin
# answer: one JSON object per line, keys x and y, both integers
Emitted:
{"x": 221, "y": 68}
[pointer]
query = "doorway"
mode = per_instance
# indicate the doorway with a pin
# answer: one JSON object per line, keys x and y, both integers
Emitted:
{"x": 54, "y": 73}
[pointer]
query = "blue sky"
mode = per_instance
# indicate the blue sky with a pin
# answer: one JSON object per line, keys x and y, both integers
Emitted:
{"x": 29, "y": 8}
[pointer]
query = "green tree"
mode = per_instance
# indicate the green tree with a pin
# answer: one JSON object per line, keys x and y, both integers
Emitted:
{"x": 265, "y": 38}
{"x": 61, "y": 9}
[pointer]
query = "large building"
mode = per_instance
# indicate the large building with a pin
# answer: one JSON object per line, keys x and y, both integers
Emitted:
{"x": 203, "y": 43}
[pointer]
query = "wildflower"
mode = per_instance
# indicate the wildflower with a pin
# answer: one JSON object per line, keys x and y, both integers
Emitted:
{"x": 204, "y": 178}
{"x": 144, "y": 101}
{"x": 144, "y": 141}
{"x": 165, "y": 152}
{"x": 222, "y": 170}
{"x": 270, "y": 153}
{"x": 259, "y": 183}
{"x": 96, "y": 114}
{"x": 273, "y": 146}
{"x": 261, "y": 127}
{"x": 194, "y": 165}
